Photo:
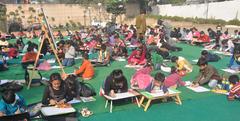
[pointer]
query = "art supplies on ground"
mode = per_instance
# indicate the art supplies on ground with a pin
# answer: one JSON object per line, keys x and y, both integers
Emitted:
{"x": 198, "y": 89}
{"x": 220, "y": 91}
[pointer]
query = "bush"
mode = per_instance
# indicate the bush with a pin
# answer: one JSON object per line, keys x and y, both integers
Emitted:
{"x": 74, "y": 25}
{"x": 197, "y": 20}
{"x": 234, "y": 22}
{"x": 60, "y": 26}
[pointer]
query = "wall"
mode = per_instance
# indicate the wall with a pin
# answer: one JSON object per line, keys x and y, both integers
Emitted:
{"x": 62, "y": 13}
{"x": 227, "y": 10}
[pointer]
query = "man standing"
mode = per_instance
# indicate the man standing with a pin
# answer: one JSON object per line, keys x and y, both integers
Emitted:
{"x": 141, "y": 24}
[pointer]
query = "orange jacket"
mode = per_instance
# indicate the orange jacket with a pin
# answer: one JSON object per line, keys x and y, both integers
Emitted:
{"x": 86, "y": 68}
{"x": 29, "y": 56}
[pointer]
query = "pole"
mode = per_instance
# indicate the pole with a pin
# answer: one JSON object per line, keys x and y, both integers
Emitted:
{"x": 207, "y": 3}
{"x": 49, "y": 29}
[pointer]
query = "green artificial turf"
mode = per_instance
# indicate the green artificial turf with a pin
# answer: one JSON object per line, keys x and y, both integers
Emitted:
{"x": 205, "y": 106}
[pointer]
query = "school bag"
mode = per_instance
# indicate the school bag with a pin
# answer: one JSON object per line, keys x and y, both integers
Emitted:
{"x": 14, "y": 86}
{"x": 86, "y": 89}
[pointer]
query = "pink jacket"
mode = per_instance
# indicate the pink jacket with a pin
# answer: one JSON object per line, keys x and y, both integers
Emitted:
{"x": 173, "y": 79}
{"x": 142, "y": 78}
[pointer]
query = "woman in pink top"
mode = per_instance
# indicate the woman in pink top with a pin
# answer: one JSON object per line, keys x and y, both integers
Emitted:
{"x": 174, "y": 79}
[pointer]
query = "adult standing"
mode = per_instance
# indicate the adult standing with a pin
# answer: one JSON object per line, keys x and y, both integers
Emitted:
{"x": 141, "y": 24}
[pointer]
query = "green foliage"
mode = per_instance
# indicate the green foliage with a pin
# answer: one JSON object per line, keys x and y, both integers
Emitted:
{"x": 197, "y": 20}
{"x": 60, "y": 26}
{"x": 116, "y": 8}
{"x": 67, "y": 24}
{"x": 12, "y": 13}
{"x": 234, "y": 22}
{"x": 31, "y": 9}
{"x": 176, "y": 1}
{"x": 20, "y": 7}
{"x": 73, "y": 23}
{"x": 79, "y": 24}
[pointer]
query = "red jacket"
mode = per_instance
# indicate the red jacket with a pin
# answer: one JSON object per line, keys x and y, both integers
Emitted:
{"x": 12, "y": 52}
{"x": 29, "y": 56}
{"x": 205, "y": 38}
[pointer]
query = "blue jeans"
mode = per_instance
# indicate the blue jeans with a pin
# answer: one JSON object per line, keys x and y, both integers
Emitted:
{"x": 68, "y": 61}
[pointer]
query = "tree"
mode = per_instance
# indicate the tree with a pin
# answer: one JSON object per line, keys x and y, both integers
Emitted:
{"x": 116, "y": 7}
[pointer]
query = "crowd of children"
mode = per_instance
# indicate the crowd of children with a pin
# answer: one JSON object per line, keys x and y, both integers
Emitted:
{"x": 108, "y": 46}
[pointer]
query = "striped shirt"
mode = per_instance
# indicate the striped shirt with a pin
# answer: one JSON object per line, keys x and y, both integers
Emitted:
{"x": 235, "y": 91}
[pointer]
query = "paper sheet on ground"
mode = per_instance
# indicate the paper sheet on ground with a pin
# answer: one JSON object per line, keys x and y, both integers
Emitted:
{"x": 88, "y": 99}
{"x": 133, "y": 66}
{"x": 51, "y": 61}
{"x": 231, "y": 71}
{"x": 51, "y": 111}
{"x": 166, "y": 69}
{"x": 160, "y": 93}
{"x": 188, "y": 83}
{"x": 132, "y": 46}
{"x": 4, "y": 81}
{"x": 79, "y": 57}
{"x": 74, "y": 101}
{"x": 196, "y": 60}
{"x": 223, "y": 53}
{"x": 198, "y": 89}
{"x": 120, "y": 96}
{"x": 55, "y": 67}
{"x": 16, "y": 81}
{"x": 120, "y": 59}
{"x": 21, "y": 54}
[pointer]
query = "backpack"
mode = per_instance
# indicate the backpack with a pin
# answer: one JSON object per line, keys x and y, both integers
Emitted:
{"x": 86, "y": 89}
{"x": 15, "y": 87}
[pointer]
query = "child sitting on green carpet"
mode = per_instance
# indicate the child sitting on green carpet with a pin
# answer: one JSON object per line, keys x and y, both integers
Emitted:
{"x": 208, "y": 74}
{"x": 56, "y": 92}
{"x": 116, "y": 82}
{"x": 12, "y": 104}
{"x": 235, "y": 90}
{"x": 183, "y": 66}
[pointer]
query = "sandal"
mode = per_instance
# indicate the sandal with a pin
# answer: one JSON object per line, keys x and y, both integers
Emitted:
{"x": 85, "y": 112}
